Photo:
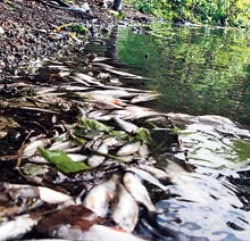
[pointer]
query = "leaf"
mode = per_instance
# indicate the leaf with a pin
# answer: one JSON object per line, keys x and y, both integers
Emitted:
{"x": 94, "y": 125}
{"x": 143, "y": 135}
{"x": 79, "y": 29}
{"x": 62, "y": 162}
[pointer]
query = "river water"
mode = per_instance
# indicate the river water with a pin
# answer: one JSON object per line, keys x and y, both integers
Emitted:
{"x": 198, "y": 71}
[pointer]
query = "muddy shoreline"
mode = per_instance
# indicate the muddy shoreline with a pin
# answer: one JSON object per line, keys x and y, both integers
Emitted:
{"x": 28, "y": 30}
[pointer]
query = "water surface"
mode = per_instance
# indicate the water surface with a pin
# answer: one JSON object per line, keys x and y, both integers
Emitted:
{"x": 197, "y": 70}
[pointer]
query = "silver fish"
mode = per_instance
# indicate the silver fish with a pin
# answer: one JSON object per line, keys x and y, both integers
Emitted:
{"x": 135, "y": 112}
{"x": 31, "y": 148}
{"x": 143, "y": 150}
{"x": 125, "y": 125}
{"x": 54, "y": 197}
{"x": 99, "y": 196}
{"x": 158, "y": 173}
{"x": 47, "y": 239}
{"x": 125, "y": 210}
{"x": 147, "y": 177}
{"x": 87, "y": 78}
{"x": 43, "y": 193}
{"x": 96, "y": 160}
{"x": 59, "y": 145}
{"x": 142, "y": 97}
{"x": 79, "y": 80}
{"x": 77, "y": 157}
{"x": 129, "y": 149}
{"x": 101, "y": 232}
{"x": 17, "y": 227}
{"x": 138, "y": 191}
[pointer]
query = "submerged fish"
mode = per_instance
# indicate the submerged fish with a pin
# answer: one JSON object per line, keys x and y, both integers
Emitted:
{"x": 125, "y": 210}
{"x": 99, "y": 197}
{"x": 138, "y": 191}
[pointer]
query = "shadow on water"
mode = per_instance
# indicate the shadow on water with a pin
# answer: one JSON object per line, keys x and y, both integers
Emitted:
{"x": 198, "y": 71}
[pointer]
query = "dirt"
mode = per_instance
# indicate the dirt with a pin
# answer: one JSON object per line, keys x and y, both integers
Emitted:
{"x": 27, "y": 29}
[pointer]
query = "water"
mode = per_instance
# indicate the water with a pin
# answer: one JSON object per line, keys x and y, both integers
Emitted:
{"x": 198, "y": 71}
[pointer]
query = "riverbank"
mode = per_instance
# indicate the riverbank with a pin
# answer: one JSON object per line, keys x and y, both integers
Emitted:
{"x": 29, "y": 30}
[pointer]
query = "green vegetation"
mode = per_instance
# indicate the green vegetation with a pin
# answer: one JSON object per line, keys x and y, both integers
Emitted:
{"x": 217, "y": 12}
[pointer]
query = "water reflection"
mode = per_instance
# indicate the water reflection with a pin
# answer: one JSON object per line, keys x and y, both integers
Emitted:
{"x": 197, "y": 71}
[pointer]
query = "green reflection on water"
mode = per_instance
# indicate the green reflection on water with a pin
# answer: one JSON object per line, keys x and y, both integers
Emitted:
{"x": 197, "y": 70}
{"x": 242, "y": 148}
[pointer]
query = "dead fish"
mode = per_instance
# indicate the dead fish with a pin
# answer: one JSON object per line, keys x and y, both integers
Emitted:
{"x": 112, "y": 70}
{"x": 96, "y": 160}
{"x": 101, "y": 233}
{"x": 59, "y": 67}
{"x": 135, "y": 112}
{"x": 79, "y": 80}
{"x": 17, "y": 227}
{"x": 111, "y": 93}
{"x": 233, "y": 131}
{"x": 77, "y": 157}
{"x": 214, "y": 120}
{"x": 99, "y": 197}
{"x": 125, "y": 125}
{"x": 103, "y": 99}
{"x": 52, "y": 239}
{"x": 125, "y": 211}
{"x": 53, "y": 197}
{"x": 63, "y": 73}
{"x": 60, "y": 145}
{"x": 87, "y": 78}
{"x": 97, "y": 114}
{"x": 147, "y": 177}
{"x": 142, "y": 97}
{"x": 143, "y": 150}
{"x": 100, "y": 59}
{"x": 138, "y": 191}
{"x": 158, "y": 173}
{"x": 129, "y": 149}
{"x": 43, "y": 193}
{"x": 31, "y": 148}
{"x": 111, "y": 141}
{"x": 74, "y": 88}
{"x": 127, "y": 159}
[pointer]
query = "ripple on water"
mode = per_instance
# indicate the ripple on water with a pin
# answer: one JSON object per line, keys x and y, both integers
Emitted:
{"x": 202, "y": 208}
{"x": 208, "y": 147}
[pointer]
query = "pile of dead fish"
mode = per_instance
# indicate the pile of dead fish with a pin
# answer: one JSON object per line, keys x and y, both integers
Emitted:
{"x": 113, "y": 203}
{"x": 88, "y": 176}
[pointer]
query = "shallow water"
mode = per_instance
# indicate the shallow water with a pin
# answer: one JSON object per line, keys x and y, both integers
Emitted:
{"x": 198, "y": 71}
